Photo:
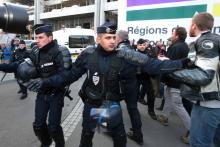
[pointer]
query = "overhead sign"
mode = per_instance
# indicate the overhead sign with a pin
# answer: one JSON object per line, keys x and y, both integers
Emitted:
{"x": 155, "y": 19}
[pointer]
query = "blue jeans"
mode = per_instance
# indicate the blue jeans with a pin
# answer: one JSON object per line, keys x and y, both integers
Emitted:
{"x": 205, "y": 127}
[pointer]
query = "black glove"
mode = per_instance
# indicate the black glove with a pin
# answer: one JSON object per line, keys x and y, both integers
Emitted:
{"x": 36, "y": 85}
{"x": 187, "y": 63}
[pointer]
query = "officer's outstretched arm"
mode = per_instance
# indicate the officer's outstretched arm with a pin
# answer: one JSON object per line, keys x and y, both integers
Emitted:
{"x": 132, "y": 56}
{"x": 155, "y": 66}
{"x": 150, "y": 65}
{"x": 11, "y": 67}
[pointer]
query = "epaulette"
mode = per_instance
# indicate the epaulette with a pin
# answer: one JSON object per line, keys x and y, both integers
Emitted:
{"x": 66, "y": 56}
{"x": 90, "y": 49}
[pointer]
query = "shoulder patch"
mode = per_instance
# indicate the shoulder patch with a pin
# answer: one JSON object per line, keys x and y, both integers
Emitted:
{"x": 207, "y": 44}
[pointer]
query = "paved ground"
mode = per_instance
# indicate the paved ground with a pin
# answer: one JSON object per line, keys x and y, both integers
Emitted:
{"x": 16, "y": 117}
{"x": 155, "y": 135}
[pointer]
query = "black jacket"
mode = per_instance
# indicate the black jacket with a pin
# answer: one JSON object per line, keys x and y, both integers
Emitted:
{"x": 177, "y": 50}
{"x": 19, "y": 54}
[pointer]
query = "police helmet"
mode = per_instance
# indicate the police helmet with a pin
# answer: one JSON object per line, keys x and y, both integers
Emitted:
{"x": 26, "y": 70}
{"x": 108, "y": 113}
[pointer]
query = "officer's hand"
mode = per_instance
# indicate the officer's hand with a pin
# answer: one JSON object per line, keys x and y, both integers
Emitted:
{"x": 36, "y": 85}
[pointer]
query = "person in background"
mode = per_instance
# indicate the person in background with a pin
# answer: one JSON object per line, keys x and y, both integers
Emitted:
{"x": 160, "y": 48}
{"x": 131, "y": 98}
{"x": 145, "y": 81}
{"x": 20, "y": 54}
{"x": 14, "y": 44}
{"x": 6, "y": 53}
{"x": 173, "y": 101}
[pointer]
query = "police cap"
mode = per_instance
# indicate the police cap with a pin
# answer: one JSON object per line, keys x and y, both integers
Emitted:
{"x": 108, "y": 28}
{"x": 42, "y": 28}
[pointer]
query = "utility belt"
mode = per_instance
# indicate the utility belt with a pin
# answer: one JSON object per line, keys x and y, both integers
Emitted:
{"x": 53, "y": 91}
{"x": 97, "y": 100}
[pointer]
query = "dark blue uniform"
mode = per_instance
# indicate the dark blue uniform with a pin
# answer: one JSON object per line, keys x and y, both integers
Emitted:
{"x": 49, "y": 61}
{"x": 131, "y": 97}
{"x": 19, "y": 55}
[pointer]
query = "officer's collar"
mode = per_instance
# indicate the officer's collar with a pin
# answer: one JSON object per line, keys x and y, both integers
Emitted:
{"x": 48, "y": 46}
{"x": 24, "y": 49}
{"x": 102, "y": 51}
{"x": 143, "y": 52}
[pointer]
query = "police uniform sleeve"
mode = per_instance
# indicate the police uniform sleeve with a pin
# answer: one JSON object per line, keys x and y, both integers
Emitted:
{"x": 155, "y": 66}
{"x": 132, "y": 56}
{"x": 150, "y": 65}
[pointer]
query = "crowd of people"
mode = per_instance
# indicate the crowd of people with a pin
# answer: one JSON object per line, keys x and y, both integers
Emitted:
{"x": 14, "y": 52}
{"x": 116, "y": 70}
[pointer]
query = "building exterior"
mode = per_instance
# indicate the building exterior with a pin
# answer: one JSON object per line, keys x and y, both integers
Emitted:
{"x": 73, "y": 13}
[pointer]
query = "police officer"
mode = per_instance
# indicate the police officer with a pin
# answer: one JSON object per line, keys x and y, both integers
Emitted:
{"x": 110, "y": 76}
{"x": 149, "y": 83}
{"x": 132, "y": 96}
{"x": 20, "y": 54}
{"x": 49, "y": 59}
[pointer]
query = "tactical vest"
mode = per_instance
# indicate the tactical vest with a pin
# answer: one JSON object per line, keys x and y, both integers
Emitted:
{"x": 102, "y": 84}
{"x": 44, "y": 62}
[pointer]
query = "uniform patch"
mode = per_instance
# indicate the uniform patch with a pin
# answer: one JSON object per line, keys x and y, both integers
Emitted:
{"x": 47, "y": 64}
{"x": 95, "y": 78}
{"x": 207, "y": 44}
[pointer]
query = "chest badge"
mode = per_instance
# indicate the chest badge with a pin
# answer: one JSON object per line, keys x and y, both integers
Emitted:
{"x": 95, "y": 78}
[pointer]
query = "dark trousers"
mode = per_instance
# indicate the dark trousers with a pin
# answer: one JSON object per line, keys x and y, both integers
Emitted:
{"x": 117, "y": 131}
{"x": 50, "y": 105}
{"x": 187, "y": 105}
{"x": 134, "y": 114}
{"x": 146, "y": 88}
{"x": 22, "y": 87}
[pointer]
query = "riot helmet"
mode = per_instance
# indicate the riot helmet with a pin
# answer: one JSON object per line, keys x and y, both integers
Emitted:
{"x": 26, "y": 70}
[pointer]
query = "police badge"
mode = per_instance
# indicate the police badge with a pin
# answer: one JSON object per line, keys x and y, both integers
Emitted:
{"x": 95, "y": 78}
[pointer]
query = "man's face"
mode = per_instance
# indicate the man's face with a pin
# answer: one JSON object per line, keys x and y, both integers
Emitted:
{"x": 107, "y": 41}
{"x": 21, "y": 46}
{"x": 16, "y": 42}
{"x": 192, "y": 29}
{"x": 141, "y": 47}
{"x": 42, "y": 39}
{"x": 174, "y": 37}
